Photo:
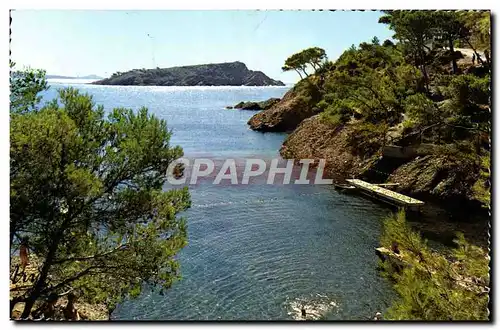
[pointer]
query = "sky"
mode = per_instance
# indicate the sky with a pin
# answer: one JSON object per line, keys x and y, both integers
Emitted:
{"x": 77, "y": 43}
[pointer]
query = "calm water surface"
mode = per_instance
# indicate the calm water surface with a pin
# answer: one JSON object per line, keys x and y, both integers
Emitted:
{"x": 257, "y": 252}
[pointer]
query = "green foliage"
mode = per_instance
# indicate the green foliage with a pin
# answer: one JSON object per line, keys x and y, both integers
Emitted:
{"x": 322, "y": 105}
{"x": 314, "y": 56}
{"x": 421, "y": 32}
{"x": 414, "y": 29}
{"x": 461, "y": 150}
{"x": 371, "y": 89}
{"x": 473, "y": 259}
{"x": 408, "y": 80}
{"x": 481, "y": 189}
{"x": 388, "y": 43}
{"x": 421, "y": 111}
{"x": 335, "y": 119}
{"x": 396, "y": 229}
{"x": 468, "y": 100}
{"x": 308, "y": 92}
{"x": 24, "y": 88}
{"x": 433, "y": 286}
{"x": 478, "y": 25}
{"x": 337, "y": 112}
{"x": 370, "y": 82}
{"x": 366, "y": 138}
{"x": 87, "y": 197}
{"x": 326, "y": 67}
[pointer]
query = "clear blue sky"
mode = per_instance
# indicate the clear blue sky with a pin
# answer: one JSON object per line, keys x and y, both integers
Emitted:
{"x": 102, "y": 42}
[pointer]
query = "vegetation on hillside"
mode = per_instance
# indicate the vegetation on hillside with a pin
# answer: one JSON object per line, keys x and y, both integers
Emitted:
{"x": 434, "y": 285}
{"x": 89, "y": 217}
{"x": 413, "y": 89}
{"x": 314, "y": 57}
{"x": 417, "y": 88}
{"x": 88, "y": 212}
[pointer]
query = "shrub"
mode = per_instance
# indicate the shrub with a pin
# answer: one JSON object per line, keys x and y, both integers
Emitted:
{"x": 433, "y": 285}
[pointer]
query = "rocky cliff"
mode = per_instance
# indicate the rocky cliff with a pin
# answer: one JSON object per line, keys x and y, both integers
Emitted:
{"x": 317, "y": 139}
{"x": 433, "y": 175}
{"x": 284, "y": 116}
{"x": 438, "y": 177}
{"x": 219, "y": 74}
{"x": 445, "y": 173}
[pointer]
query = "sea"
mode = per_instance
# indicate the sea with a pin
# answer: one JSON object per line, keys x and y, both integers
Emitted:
{"x": 256, "y": 251}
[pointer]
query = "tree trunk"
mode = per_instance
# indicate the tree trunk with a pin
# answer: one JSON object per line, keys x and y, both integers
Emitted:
{"x": 12, "y": 233}
{"x": 424, "y": 70}
{"x": 30, "y": 301}
{"x": 475, "y": 52}
{"x": 453, "y": 59}
{"x": 34, "y": 294}
{"x": 40, "y": 283}
{"x": 299, "y": 74}
{"x": 426, "y": 79}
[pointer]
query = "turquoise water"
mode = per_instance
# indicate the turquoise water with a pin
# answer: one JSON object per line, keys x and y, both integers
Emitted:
{"x": 255, "y": 252}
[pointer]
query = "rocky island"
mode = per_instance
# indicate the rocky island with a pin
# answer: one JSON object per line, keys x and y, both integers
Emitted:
{"x": 218, "y": 74}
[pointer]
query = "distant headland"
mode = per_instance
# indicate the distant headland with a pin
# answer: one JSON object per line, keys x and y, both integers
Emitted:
{"x": 217, "y": 74}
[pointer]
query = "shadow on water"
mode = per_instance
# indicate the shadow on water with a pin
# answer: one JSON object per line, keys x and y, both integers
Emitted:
{"x": 439, "y": 224}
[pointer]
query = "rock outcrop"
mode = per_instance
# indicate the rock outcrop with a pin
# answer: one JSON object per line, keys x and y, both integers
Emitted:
{"x": 284, "y": 116}
{"x": 316, "y": 139}
{"x": 296, "y": 105}
{"x": 263, "y": 105}
{"x": 219, "y": 74}
{"x": 437, "y": 177}
{"x": 433, "y": 177}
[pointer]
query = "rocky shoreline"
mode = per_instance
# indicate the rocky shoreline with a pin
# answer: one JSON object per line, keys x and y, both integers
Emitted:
{"x": 428, "y": 175}
{"x": 443, "y": 181}
{"x": 285, "y": 115}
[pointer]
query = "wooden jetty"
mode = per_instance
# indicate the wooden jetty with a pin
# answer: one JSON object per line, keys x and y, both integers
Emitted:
{"x": 386, "y": 194}
{"x": 386, "y": 184}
